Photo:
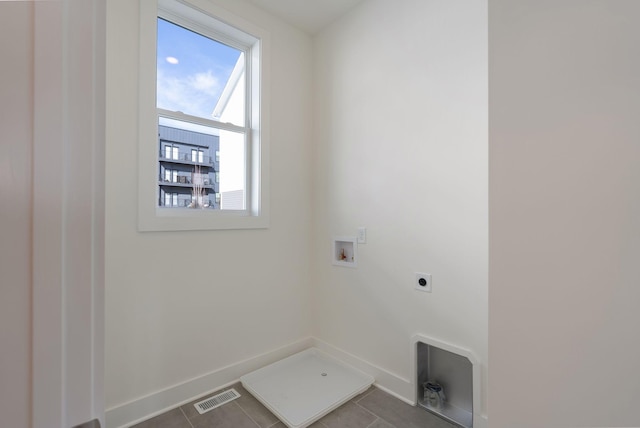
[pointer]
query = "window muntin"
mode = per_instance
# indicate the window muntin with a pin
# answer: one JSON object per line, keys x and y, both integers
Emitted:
{"x": 217, "y": 23}
{"x": 203, "y": 80}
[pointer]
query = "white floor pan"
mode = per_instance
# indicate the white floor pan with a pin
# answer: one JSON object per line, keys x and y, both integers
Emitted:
{"x": 304, "y": 387}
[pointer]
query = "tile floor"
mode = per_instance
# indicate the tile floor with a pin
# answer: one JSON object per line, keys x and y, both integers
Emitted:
{"x": 371, "y": 409}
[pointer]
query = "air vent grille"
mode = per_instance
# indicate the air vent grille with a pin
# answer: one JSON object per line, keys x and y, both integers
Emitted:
{"x": 216, "y": 401}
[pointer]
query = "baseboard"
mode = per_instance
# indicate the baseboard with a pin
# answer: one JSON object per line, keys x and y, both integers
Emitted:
{"x": 133, "y": 412}
{"x": 481, "y": 422}
{"x": 395, "y": 385}
{"x": 136, "y": 411}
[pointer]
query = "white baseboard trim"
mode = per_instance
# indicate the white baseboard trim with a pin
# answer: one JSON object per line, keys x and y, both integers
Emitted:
{"x": 395, "y": 385}
{"x": 143, "y": 408}
{"x": 481, "y": 422}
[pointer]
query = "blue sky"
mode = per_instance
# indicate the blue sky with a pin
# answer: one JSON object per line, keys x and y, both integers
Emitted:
{"x": 192, "y": 70}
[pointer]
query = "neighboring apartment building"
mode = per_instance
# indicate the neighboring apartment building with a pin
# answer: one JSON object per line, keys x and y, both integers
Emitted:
{"x": 189, "y": 167}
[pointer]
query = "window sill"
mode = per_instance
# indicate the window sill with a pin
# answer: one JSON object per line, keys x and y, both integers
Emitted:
{"x": 184, "y": 219}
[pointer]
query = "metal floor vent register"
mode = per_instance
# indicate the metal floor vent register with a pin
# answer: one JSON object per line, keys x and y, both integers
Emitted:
{"x": 216, "y": 401}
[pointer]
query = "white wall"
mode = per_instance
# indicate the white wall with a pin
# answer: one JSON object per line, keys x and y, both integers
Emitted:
{"x": 16, "y": 113}
{"x": 401, "y": 148}
{"x": 68, "y": 213}
{"x": 183, "y": 304}
{"x": 51, "y": 248}
{"x": 565, "y": 213}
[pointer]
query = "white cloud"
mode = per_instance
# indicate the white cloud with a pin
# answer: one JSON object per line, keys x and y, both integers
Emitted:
{"x": 205, "y": 82}
{"x": 194, "y": 94}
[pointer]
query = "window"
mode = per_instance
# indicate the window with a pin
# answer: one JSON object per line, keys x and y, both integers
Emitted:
{"x": 207, "y": 118}
{"x": 170, "y": 200}
{"x": 197, "y": 156}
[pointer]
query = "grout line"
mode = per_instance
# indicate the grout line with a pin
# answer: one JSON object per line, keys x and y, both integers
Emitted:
{"x": 378, "y": 417}
{"x": 185, "y": 416}
{"x": 366, "y": 394}
{"x": 245, "y": 412}
{"x": 357, "y": 403}
{"x": 367, "y": 410}
{"x": 374, "y": 421}
{"x": 239, "y": 405}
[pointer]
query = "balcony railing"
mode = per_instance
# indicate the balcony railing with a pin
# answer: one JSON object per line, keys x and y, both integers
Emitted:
{"x": 185, "y": 203}
{"x": 186, "y": 179}
{"x": 187, "y": 159}
{"x": 185, "y": 185}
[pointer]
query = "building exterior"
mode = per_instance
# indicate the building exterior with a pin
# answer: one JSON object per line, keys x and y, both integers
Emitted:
{"x": 189, "y": 168}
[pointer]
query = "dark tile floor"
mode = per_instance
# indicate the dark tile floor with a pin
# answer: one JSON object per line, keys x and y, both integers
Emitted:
{"x": 371, "y": 409}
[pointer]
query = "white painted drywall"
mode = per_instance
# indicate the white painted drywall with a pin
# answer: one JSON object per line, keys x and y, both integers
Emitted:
{"x": 401, "y": 148}
{"x": 52, "y": 213}
{"x": 68, "y": 213}
{"x": 16, "y": 112}
{"x": 565, "y": 213}
{"x": 183, "y": 304}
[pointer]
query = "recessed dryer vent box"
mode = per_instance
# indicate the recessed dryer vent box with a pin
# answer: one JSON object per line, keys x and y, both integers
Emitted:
{"x": 344, "y": 251}
{"x": 455, "y": 371}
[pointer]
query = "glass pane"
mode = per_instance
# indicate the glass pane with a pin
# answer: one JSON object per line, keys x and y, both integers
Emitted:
{"x": 199, "y": 76}
{"x": 210, "y": 172}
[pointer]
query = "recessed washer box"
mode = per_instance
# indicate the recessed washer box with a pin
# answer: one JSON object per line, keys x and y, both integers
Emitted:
{"x": 306, "y": 386}
{"x": 344, "y": 251}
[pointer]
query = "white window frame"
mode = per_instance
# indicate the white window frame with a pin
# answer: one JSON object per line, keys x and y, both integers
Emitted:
{"x": 210, "y": 20}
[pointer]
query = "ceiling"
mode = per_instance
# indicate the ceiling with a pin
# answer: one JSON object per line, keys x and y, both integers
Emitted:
{"x": 308, "y": 15}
